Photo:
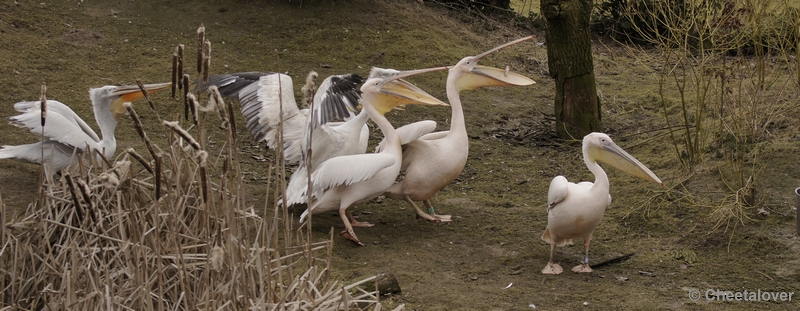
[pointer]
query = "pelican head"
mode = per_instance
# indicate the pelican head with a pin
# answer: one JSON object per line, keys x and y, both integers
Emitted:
{"x": 600, "y": 147}
{"x": 392, "y": 91}
{"x": 116, "y": 96}
{"x": 471, "y": 76}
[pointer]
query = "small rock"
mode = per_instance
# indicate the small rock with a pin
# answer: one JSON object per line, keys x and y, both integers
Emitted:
{"x": 387, "y": 284}
{"x": 474, "y": 278}
{"x": 622, "y": 278}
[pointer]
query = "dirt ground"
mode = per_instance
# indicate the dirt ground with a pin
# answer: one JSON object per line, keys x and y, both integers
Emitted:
{"x": 490, "y": 256}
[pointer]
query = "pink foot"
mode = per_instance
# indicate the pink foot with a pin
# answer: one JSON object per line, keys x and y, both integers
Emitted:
{"x": 552, "y": 268}
{"x": 582, "y": 268}
{"x": 350, "y": 237}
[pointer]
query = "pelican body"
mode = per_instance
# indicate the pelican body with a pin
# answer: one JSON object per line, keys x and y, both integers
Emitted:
{"x": 436, "y": 159}
{"x": 345, "y": 181}
{"x": 65, "y": 134}
{"x": 575, "y": 210}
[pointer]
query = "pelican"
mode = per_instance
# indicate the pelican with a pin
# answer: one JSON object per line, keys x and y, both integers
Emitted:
{"x": 65, "y": 133}
{"x": 349, "y": 180}
{"x": 435, "y": 160}
{"x": 575, "y": 210}
{"x": 335, "y": 99}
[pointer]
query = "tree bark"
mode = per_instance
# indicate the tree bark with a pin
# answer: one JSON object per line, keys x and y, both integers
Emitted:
{"x": 569, "y": 56}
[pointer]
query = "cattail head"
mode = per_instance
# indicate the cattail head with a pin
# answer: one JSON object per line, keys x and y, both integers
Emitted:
{"x": 216, "y": 258}
{"x": 174, "y": 73}
{"x": 180, "y": 66}
{"x": 175, "y": 127}
{"x": 201, "y": 39}
{"x": 309, "y": 88}
{"x": 43, "y": 100}
{"x": 203, "y": 156}
{"x": 194, "y": 106}
{"x": 206, "y": 59}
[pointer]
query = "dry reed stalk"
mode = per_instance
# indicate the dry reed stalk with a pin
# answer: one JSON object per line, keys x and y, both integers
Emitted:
{"x": 43, "y": 172}
{"x": 147, "y": 96}
{"x": 232, "y": 120}
{"x": 215, "y": 99}
{"x": 75, "y": 201}
{"x": 175, "y": 250}
{"x": 140, "y": 159}
{"x": 157, "y": 176}
{"x": 140, "y": 129}
{"x": 202, "y": 156}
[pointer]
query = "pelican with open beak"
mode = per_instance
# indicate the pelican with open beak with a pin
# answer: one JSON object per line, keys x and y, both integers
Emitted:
{"x": 345, "y": 181}
{"x": 436, "y": 159}
{"x": 575, "y": 210}
{"x": 65, "y": 133}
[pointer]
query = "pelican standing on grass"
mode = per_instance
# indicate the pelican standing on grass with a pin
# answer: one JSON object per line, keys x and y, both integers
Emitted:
{"x": 334, "y": 126}
{"x": 345, "y": 181}
{"x": 575, "y": 210}
{"x": 435, "y": 160}
{"x": 66, "y": 135}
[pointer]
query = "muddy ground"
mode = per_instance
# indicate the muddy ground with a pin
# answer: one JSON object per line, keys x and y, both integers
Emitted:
{"x": 490, "y": 256}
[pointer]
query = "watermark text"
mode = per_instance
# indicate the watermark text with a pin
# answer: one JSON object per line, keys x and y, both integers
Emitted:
{"x": 744, "y": 295}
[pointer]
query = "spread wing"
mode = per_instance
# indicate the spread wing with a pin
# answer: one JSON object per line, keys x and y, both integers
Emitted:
{"x": 62, "y": 124}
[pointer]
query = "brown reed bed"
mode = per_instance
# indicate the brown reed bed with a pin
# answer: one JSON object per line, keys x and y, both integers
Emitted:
{"x": 165, "y": 230}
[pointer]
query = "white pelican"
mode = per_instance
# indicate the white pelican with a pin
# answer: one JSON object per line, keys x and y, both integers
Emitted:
{"x": 336, "y": 99}
{"x": 345, "y": 181}
{"x": 435, "y": 160}
{"x": 574, "y": 210}
{"x": 66, "y": 133}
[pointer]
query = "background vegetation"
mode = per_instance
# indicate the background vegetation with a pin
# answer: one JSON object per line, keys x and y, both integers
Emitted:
{"x": 733, "y": 129}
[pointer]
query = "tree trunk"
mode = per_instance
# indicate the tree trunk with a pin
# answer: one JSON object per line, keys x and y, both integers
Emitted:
{"x": 569, "y": 56}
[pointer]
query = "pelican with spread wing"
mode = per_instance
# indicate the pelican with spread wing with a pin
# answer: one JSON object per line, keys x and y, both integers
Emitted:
{"x": 66, "y": 134}
{"x": 344, "y": 181}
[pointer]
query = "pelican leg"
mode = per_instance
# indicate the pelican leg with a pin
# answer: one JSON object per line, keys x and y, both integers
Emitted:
{"x": 348, "y": 233}
{"x": 420, "y": 213}
{"x": 584, "y": 266}
{"x": 552, "y": 268}
{"x": 356, "y": 223}
{"x": 442, "y": 218}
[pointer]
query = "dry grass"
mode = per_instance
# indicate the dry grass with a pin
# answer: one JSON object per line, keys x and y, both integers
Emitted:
{"x": 165, "y": 231}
